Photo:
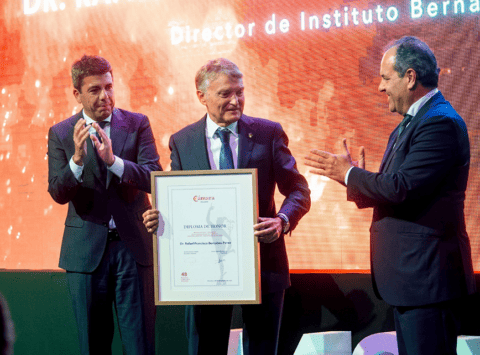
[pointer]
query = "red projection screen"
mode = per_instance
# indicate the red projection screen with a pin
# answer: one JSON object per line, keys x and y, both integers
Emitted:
{"x": 310, "y": 65}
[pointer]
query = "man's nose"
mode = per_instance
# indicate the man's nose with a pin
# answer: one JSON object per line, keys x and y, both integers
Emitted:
{"x": 380, "y": 86}
{"x": 234, "y": 100}
{"x": 103, "y": 94}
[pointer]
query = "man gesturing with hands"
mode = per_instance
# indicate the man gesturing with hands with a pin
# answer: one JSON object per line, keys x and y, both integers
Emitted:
{"x": 420, "y": 251}
{"x": 99, "y": 162}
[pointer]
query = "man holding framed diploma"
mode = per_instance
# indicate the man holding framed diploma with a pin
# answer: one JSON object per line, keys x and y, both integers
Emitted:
{"x": 225, "y": 138}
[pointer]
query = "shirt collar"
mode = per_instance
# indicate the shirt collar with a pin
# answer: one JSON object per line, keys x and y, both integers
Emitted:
{"x": 417, "y": 105}
{"x": 212, "y": 127}
{"x": 91, "y": 120}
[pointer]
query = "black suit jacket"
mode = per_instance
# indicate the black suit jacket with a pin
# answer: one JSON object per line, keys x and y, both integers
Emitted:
{"x": 420, "y": 250}
{"x": 262, "y": 145}
{"x": 92, "y": 202}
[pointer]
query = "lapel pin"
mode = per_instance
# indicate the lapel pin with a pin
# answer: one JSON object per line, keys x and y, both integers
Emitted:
{"x": 250, "y": 135}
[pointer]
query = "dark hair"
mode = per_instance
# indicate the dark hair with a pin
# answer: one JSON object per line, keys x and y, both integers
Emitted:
{"x": 89, "y": 65}
{"x": 415, "y": 54}
{"x": 209, "y": 72}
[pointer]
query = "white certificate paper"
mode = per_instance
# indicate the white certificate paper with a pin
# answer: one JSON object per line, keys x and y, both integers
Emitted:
{"x": 205, "y": 238}
{"x": 205, "y": 250}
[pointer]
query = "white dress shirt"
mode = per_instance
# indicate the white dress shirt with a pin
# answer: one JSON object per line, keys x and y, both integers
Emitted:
{"x": 214, "y": 144}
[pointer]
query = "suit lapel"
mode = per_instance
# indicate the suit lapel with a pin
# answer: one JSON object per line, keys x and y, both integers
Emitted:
{"x": 198, "y": 140}
{"x": 118, "y": 132}
{"x": 389, "y": 153}
{"x": 118, "y": 136}
{"x": 245, "y": 142}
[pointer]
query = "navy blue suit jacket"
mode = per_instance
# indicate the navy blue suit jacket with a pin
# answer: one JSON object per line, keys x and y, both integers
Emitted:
{"x": 420, "y": 250}
{"x": 92, "y": 202}
{"x": 262, "y": 145}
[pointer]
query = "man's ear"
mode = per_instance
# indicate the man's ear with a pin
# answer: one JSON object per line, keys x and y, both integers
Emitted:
{"x": 77, "y": 94}
{"x": 412, "y": 78}
{"x": 202, "y": 97}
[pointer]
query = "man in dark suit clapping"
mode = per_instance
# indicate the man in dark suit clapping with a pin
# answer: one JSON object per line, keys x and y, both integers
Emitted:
{"x": 420, "y": 251}
{"x": 99, "y": 162}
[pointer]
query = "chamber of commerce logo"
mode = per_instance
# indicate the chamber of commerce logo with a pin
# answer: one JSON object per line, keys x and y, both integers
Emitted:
{"x": 198, "y": 198}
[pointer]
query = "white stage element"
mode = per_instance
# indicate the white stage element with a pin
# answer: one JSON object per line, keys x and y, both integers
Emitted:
{"x": 235, "y": 342}
{"x": 325, "y": 343}
{"x": 340, "y": 343}
{"x": 378, "y": 344}
{"x": 468, "y": 345}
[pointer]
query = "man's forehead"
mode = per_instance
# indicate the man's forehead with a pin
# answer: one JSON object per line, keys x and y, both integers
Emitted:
{"x": 224, "y": 80}
{"x": 389, "y": 56}
{"x": 97, "y": 79}
{"x": 388, "y": 61}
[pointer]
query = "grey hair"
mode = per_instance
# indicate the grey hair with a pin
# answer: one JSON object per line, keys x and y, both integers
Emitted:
{"x": 210, "y": 71}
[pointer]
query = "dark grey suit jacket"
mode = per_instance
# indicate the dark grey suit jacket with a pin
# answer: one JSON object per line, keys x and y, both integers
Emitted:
{"x": 92, "y": 202}
{"x": 420, "y": 250}
{"x": 262, "y": 145}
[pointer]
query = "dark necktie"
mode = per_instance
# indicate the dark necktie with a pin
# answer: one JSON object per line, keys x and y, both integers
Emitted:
{"x": 406, "y": 120}
{"x": 101, "y": 163}
{"x": 102, "y": 126}
{"x": 226, "y": 157}
{"x": 393, "y": 142}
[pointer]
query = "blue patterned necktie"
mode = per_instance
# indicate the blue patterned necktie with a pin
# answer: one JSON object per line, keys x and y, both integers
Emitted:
{"x": 226, "y": 156}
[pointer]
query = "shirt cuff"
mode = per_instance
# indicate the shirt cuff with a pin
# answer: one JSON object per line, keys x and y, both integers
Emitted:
{"x": 346, "y": 175}
{"x": 77, "y": 170}
{"x": 118, "y": 167}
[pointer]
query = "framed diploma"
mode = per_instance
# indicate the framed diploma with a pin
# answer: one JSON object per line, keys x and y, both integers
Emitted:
{"x": 205, "y": 251}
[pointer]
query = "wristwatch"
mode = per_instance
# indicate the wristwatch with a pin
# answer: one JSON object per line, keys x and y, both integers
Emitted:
{"x": 286, "y": 222}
